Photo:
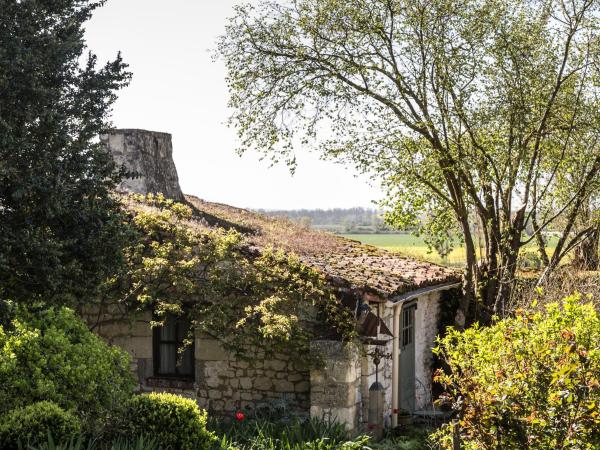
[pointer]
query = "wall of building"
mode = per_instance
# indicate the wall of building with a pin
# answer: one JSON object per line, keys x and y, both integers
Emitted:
{"x": 426, "y": 329}
{"x": 335, "y": 387}
{"x": 275, "y": 385}
{"x": 427, "y": 322}
{"x": 339, "y": 390}
{"x": 223, "y": 384}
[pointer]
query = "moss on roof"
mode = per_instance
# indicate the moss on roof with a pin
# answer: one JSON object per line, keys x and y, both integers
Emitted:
{"x": 344, "y": 262}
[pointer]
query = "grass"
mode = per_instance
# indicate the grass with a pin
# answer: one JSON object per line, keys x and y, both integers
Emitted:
{"x": 415, "y": 247}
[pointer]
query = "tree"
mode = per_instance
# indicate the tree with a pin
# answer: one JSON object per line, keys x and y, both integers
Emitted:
{"x": 466, "y": 106}
{"x": 60, "y": 230}
{"x": 585, "y": 254}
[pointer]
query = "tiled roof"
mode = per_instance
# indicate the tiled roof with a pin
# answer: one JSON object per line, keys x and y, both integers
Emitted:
{"x": 346, "y": 263}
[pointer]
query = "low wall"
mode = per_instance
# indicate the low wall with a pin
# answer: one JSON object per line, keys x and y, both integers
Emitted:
{"x": 226, "y": 383}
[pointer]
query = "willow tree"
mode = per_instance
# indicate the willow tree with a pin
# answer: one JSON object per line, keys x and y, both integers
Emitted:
{"x": 468, "y": 109}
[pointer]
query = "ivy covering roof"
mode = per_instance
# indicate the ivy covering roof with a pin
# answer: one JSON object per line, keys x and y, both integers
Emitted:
{"x": 344, "y": 262}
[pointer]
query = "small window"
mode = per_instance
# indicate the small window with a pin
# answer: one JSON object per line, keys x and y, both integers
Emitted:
{"x": 168, "y": 339}
{"x": 408, "y": 325}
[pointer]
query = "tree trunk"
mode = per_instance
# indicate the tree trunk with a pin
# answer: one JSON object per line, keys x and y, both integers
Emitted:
{"x": 586, "y": 254}
{"x": 464, "y": 314}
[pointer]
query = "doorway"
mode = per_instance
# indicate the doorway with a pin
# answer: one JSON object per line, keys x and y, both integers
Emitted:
{"x": 407, "y": 358}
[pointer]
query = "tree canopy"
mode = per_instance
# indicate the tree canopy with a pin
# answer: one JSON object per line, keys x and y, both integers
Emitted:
{"x": 60, "y": 230}
{"x": 472, "y": 112}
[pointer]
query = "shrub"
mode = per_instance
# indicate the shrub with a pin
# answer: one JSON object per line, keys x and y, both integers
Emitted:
{"x": 51, "y": 355}
{"x": 175, "y": 422}
{"x": 532, "y": 381}
{"x": 31, "y": 424}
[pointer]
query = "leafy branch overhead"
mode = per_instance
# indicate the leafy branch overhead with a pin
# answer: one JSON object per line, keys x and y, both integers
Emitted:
{"x": 245, "y": 298}
{"x": 487, "y": 110}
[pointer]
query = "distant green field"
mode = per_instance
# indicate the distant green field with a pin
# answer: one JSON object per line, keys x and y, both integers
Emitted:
{"x": 410, "y": 245}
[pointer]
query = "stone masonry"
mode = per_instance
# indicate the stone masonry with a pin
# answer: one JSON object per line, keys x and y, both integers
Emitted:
{"x": 150, "y": 155}
{"x": 222, "y": 384}
{"x": 225, "y": 384}
{"x": 335, "y": 388}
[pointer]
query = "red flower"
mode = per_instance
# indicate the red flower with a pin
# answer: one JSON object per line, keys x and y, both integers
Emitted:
{"x": 239, "y": 416}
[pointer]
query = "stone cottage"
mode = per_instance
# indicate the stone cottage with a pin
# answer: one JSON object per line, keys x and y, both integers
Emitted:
{"x": 397, "y": 301}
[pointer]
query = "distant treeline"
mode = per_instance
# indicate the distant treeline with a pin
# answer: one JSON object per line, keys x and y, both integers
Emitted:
{"x": 339, "y": 220}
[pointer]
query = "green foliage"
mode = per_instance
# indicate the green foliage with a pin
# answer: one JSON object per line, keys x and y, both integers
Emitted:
{"x": 529, "y": 261}
{"x": 311, "y": 434}
{"x": 52, "y": 355}
{"x": 532, "y": 381}
{"x": 250, "y": 299}
{"x": 411, "y": 438}
{"x": 82, "y": 443}
{"x": 460, "y": 108}
{"x": 175, "y": 422}
{"x": 33, "y": 423}
{"x": 61, "y": 232}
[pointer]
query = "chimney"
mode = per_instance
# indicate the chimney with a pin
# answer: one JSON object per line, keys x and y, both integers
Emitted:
{"x": 150, "y": 155}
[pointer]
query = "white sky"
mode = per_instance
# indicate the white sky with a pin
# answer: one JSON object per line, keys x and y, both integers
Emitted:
{"x": 177, "y": 88}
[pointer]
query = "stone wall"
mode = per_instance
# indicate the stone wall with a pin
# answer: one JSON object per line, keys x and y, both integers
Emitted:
{"x": 150, "y": 155}
{"x": 223, "y": 384}
{"x": 335, "y": 388}
{"x": 427, "y": 321}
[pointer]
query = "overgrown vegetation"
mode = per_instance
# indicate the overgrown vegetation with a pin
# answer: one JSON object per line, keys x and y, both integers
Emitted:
{"x": 267, "y": 300}
{"x": 50, "y": 355}
{"x": 532, "y": 381}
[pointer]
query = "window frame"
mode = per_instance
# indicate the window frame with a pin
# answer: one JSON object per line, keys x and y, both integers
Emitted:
{"x": 156, "y": 352}
{"x": 408, "y": 324}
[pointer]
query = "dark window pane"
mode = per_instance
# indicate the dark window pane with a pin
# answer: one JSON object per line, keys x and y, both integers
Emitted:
{"x": 183, "y": 328}
{"x": 167, "y": 331}
{"x": 186, "y": 362}
{"x": 171, "y": 359}
{"x": 168, "y": 357}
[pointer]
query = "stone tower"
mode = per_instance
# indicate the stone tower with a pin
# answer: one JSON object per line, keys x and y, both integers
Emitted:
{"x": 150, "y": 155}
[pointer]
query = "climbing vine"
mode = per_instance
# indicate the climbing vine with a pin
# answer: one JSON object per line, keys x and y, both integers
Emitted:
{"x": 247, "y": 298}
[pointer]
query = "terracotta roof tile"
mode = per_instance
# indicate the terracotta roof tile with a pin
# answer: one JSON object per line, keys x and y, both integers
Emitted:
{"x": 345, "y": 262}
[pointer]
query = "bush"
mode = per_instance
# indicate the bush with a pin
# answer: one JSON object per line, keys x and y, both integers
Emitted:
{"x": 51, "y": 355}
{"x": 175, "y": 422}
{"x": 532, "y": 381}
{"x": 32, "y": 424}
